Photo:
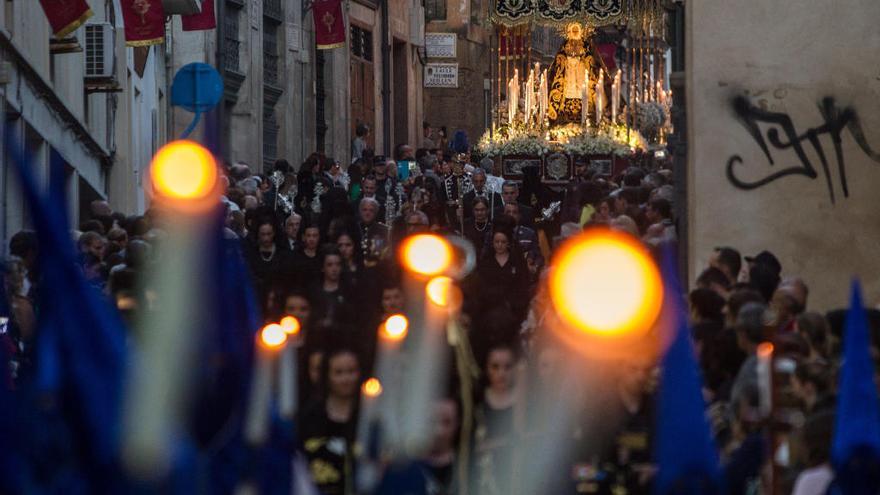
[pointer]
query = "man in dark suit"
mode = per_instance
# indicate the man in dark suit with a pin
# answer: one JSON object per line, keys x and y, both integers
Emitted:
{"x": 510, "y": 195}
{"x": 496, "y": 203}
{"x": 525, "y": 237}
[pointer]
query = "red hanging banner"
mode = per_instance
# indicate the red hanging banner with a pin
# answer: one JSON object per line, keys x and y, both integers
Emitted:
{"x": 329, "y": 24}
{"x": 201, "y": 21}
{"x": 65, "y": 16}
{"x": 144, "y": 22}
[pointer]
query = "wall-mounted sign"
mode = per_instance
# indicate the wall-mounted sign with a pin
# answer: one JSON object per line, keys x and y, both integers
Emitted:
{"x": 441, "y": 75}
{"x": 440, "y": 45}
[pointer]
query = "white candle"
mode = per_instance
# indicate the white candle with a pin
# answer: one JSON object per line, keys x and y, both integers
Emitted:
{"x": 585, "y": 99}
{"x": 529, "y": 95}
{"x": 600, "y": 97}
{"x": 543, "y": 98}
{"x": 513, "y": 96}
{"x": 287, "y": 379}
{"x": 156, "y": 390}
{"x": 615, "y": 97}
{"x": 764, "y": 369}
{"x": 270, "y": 341}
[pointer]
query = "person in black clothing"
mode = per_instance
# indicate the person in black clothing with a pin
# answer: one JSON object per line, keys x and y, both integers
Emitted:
{"x": 328, "y": 425}
{"x": 502, "y": 276}
{"x": 306, "y": 259}
{"x": 331, "y": 295}
{"x": 352, "y": 260}
{"x": 269, "y": 264}
{"x": 478, "y": 228}
{"x": 496, "y": 203}
{"x": 510, "y": 194}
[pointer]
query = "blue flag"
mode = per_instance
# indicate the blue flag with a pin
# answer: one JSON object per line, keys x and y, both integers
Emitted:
{"x": 685, "y": 454}
{"x": 81, "y": 338}
{"x": 855, "y": 452}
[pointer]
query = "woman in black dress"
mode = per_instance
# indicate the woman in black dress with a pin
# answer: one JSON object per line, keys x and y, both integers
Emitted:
{"x": 503, "y": 277}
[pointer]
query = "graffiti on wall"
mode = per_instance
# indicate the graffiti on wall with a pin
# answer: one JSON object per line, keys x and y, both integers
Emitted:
{"x": 783, "y": 135}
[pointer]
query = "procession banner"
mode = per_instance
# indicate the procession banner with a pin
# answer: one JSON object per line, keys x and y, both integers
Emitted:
{"x": 202, "y": 21}
{"x": 144, "y": 22}
{"x": 65, "y": 16}
{"x": 329, "y": 24}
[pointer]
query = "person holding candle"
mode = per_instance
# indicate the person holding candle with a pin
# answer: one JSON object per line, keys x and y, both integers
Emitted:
{"x": 328, "y": 425}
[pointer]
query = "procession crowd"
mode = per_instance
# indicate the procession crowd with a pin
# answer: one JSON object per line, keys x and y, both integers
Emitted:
{"x": 320, "y": 239}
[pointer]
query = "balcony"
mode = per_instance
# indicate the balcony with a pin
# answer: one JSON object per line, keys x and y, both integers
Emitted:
{"x": 272, "y": 10}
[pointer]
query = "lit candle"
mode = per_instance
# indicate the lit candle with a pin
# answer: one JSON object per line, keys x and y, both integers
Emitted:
{"x": 287, "y": 380}
{"x": 270, "y": 342}
{"x": 764, "y": 370}
{"x": 184, "y": 180}
{"x": 370, "y": 435}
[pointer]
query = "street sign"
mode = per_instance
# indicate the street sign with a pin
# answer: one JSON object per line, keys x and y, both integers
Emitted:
{"x": 441, "y": 75}
{"x": 440, "y": 45}
{"x": 197, "y": 87}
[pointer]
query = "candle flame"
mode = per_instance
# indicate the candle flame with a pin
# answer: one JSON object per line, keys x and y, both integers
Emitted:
{"x": 426, "y": 254}
{"x": 395, "y": 328}
{"x": 290, "y": 325}
{"x": 372, "y": 387}
{"x": 272, "y": 336}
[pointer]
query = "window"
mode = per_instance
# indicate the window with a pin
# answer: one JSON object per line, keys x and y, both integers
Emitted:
{"x": 230, "y": 39}
{"x": 361, "y": 43}
{"x": 435, "y": 10}
{"x": 270, "y": 140}
{"x": 270, "y": 52}
{"x": 476, "y": 11}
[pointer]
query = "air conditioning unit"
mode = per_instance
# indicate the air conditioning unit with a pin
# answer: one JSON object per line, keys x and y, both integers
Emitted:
{"x": 182, "y": 7}
{"x": 417, "y": 25}
{"x": 100, "y": 54}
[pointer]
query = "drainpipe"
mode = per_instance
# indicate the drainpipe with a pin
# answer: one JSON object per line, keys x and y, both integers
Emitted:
{"x": 386, "y": 80}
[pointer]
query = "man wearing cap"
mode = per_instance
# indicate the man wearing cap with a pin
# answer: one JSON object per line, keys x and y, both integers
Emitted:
{"x": 453, "y": 190}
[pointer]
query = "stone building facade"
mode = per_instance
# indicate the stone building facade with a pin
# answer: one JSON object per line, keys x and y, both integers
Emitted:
{"x": 103, "y": 129}
{"x": 286, "y": 99}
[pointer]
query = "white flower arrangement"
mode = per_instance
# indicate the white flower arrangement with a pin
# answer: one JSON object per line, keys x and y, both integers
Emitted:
{"x": 513, "y": 140}
{"x": 572, "y": 139}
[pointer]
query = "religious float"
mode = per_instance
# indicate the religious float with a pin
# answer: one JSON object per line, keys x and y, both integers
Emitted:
{"x": 602, "y": 100}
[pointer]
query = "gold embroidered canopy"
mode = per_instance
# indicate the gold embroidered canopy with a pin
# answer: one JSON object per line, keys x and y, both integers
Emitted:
{"x": 589, "y": 12}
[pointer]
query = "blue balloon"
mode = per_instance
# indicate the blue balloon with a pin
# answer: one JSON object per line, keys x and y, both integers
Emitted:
{"x": 197, "y": 87}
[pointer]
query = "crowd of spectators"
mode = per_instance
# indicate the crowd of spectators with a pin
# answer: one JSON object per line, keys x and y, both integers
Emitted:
{"x": 320, "y": 245}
